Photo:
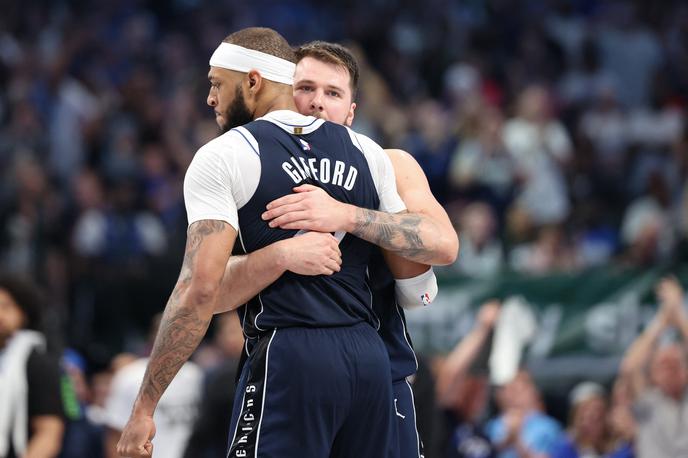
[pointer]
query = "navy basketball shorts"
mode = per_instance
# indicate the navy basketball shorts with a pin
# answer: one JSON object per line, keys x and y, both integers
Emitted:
{"x": 315, "y": 393}
{"x": 410, "y": 445}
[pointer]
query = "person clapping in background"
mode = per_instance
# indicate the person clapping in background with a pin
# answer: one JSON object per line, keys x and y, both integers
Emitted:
{"x": 660, "y": 395}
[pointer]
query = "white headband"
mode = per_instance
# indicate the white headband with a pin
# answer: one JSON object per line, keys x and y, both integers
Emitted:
{"x": 240, "y": 59}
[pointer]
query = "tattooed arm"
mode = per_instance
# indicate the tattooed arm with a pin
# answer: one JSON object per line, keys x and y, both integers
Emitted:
{"x": 184, "y": 323}
{"x": 414, "y": 190}
{"x": 313, "y": 253}
{"x": 412, "y": 236}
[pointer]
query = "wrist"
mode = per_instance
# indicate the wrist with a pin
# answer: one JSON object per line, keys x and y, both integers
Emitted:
{"x": 350, "y": 213}
{"x": 142, "y": 409}
{"x": 280, "y": 255}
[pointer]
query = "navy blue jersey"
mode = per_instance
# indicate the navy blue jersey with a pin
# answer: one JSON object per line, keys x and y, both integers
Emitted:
{"x": 328, "y": 158}
{"x": 392, "y": 319}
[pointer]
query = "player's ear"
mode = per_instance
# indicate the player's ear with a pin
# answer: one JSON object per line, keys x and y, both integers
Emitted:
{"x": 254, "y": 83}
{"x": 350, "y": 116}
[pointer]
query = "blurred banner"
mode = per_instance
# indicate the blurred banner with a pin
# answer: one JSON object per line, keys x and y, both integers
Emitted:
{"x": 585, "y": 321}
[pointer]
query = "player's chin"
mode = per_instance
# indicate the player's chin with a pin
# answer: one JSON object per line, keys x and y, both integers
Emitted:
{"x": 222, "y": 124}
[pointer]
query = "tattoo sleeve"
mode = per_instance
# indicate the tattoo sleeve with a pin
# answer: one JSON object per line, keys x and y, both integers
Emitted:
{"x": 407, "y": 235}
{"x": 182, "y": 326}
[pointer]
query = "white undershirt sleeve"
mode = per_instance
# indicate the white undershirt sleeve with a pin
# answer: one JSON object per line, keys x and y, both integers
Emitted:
{"x": 382, "y": 170}
{"x": 210, "y": 186}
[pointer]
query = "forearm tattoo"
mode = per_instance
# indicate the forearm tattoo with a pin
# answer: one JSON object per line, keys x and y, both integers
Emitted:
{"x": 401, "y": 234}
{"x": 181, "y": 328}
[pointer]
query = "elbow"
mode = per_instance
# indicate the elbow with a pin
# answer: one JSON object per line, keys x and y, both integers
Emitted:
{"x": 448, "y": 249}
{"x": 202, "y": 295}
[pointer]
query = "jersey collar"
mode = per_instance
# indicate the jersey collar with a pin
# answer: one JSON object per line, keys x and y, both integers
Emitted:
{"x": 293, "y": 122}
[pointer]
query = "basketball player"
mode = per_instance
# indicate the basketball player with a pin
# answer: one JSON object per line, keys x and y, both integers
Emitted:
{"x": 325, "y": 85}
{"x": 323, "y": 381}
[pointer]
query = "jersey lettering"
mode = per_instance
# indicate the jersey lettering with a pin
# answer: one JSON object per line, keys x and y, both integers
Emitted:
{"x": 320, "y": 171}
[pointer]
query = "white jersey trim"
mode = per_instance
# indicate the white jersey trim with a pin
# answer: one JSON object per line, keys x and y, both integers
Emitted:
{"x": 292, "y": 122}
{"x": 415, "y": 424}
{"x": 398, "y": 308}
{"x": 265, "y": 386}
{"x": 250, "y": 139}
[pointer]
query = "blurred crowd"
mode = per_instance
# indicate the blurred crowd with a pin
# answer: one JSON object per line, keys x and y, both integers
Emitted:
{"x": 470, "y": 403}
{"x": 553, "y": 131}
{"x": 639, "y": 413}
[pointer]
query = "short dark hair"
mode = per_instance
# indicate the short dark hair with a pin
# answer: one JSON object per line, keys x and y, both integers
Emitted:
{"x": 264, "y": 40}
{"x": 25, "y": 295}
{"x": 332, "y": 53}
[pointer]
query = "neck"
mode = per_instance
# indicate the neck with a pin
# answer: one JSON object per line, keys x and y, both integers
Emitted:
{"x": 279, "y": 101}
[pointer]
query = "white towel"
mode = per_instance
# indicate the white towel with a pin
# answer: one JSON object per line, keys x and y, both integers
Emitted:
{"x": 515, "y": 328}
{"x": 14, "y": 400}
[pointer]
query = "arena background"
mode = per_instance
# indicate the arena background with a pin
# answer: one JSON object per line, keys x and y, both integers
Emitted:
{"x": 103, "y": 106}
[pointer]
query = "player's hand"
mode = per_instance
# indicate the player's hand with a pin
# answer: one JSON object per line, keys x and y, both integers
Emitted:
{"x": 311, "y": 208}
{"x": 136, "y": 437}
{"x": 312, "y": 253}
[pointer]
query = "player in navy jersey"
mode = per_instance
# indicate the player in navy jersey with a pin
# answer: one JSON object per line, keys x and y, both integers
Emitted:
{"x": 308, "y": 391}
{"x": 325, "y": 85}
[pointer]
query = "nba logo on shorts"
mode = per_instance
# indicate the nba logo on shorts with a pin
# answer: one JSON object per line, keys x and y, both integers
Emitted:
{"x": 425, "y": 298}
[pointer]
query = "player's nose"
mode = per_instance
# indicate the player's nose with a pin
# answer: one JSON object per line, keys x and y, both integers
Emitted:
{"x": 316, "y": 101}
{"x": 211, "y": 101}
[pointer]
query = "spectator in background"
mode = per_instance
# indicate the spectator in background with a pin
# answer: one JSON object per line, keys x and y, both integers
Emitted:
{"x": 175, "y": 415}
{"x": 161, "y": 187}
{"x": 31, "y": 422}
{"x": 680, "y": 153}
{"x": 589, "y": 435}
{"x": 481, "y": 168}
{"x": 605, "y": 125}
{"x": 431, "y": 144}
{"x": 463, "y": 388}
{"x": 550, "y": 252}
{"x": 522, "y": 429}
{"x": 661, "y": 399}
{"x": 630, "y": 51}
{"x": 83, "y": 437}
{"x": 586, "y": 78}
{"x": 622, "y": 425}
{"x": 541, "y": 147}
{"x": 209, "y": 437}
{"x": 32, "y": 219}
{"x": 115, "y": 241}
{"x": 481, "y": 250}
{"x": 75, "y": 110}
{"x": 647, "y": 230}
